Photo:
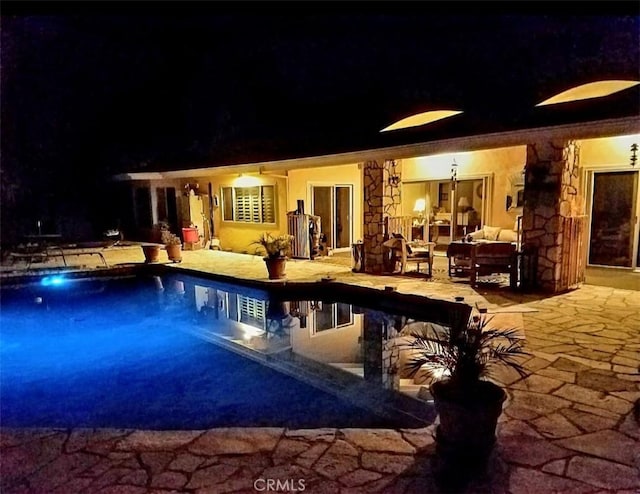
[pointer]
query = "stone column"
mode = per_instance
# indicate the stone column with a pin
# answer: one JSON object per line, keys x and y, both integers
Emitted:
{"x": 381, "y": 352}
{"x": 381, "y": 198}
{"x": 550, "y": 199}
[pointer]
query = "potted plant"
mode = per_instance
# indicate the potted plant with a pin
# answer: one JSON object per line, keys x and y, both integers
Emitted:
{"x": 462, "y": 356}
{"x": 173, "y": 245}
{"x": 276, "y": 249}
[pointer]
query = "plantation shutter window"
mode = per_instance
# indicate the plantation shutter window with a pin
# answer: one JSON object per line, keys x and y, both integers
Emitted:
{"x": 252, "y": 311}
{"x": 249, "y": 204}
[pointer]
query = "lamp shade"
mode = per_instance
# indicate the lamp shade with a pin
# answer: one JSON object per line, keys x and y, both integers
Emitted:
{"x": 420, "y": 206}
{"x": 464, "y": 203}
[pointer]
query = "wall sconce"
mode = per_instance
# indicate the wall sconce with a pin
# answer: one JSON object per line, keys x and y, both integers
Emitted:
{"x": 634, "y": 154}
{"x": 394, "y": 178}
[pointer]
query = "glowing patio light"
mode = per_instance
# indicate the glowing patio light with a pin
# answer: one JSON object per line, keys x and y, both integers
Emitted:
{"x": 591, "y": 90}
{"x": 421, "y": 119}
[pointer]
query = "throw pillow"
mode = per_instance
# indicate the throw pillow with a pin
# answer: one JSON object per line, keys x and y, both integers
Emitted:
{"x": 491, "y": 232}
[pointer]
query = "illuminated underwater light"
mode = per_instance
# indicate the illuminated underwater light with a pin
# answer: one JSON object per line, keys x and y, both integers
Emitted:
{"x": 53, "y": 281}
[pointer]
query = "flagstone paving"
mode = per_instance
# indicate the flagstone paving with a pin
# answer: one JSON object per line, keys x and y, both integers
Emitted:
{"x": 569, "y": 426}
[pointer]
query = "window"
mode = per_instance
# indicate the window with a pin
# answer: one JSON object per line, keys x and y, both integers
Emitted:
{"x": 249, "y": 204}
{"x": 333, "y": 315}
{"x": 252, "y": 311}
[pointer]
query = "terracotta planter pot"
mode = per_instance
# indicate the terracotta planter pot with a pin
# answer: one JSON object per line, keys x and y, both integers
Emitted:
{"x": 174, "y": 252}
{"x": 151, "y": 253}
{"x": 468, "y": 419}
{"x": 276, "y": 267}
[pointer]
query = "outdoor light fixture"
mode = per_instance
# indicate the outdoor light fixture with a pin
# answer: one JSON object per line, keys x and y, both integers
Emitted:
{"x": 634, "y": 154}
{"x": 596, "y": 89}
{"x": 421, "y": 119}
{"x": 394, "y": 178}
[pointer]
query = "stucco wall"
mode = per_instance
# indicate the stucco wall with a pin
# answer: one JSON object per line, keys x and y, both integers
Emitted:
{"x": 301, "y": 180}
{"x": 607, "y": 152}
{"x": 339, "y": 345}
{"x": 236, "y": 236}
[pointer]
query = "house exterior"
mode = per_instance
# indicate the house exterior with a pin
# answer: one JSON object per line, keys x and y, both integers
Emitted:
{"x": 573, "y": 187}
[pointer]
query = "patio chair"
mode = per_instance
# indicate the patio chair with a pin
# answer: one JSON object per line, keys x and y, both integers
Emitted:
{"x": 401, "y": 249}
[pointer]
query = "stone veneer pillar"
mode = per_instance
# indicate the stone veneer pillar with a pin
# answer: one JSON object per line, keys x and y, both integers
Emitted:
{"x": 381, "y": 198}
{"x": 381, "y": 352}
{"x": 550, "y": 198}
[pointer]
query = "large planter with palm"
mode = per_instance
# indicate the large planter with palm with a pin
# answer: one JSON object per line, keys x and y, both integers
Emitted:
{"x": 468, "y": 405}
{"x": 173, "y": 245}
{"x": 276, "y": 249}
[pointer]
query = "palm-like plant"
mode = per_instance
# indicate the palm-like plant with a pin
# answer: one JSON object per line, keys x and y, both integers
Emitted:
{"x": 465, "y": 353}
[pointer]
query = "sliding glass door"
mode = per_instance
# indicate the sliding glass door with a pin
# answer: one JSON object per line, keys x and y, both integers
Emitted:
{"x": 333, "y": 204}
{"x": 613, "y": 239}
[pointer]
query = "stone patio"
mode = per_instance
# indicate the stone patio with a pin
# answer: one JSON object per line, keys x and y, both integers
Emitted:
{"x": 569, "y": 426}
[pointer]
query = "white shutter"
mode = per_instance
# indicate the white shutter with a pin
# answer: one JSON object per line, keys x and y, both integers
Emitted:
{"x": 268, "y": 204}
{"x": 252, "y": 311}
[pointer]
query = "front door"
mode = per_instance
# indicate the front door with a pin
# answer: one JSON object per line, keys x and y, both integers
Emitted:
{"x": 613, "y": 237}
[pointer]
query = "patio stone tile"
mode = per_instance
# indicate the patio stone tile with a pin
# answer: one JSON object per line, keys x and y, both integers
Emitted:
{"x": 630, "y": 426}
{"x": 569, "y": 377}
{"x": 420, "y": 439}
{"x": 528, "y": 481}
{"x": 359, "y": 477}
{"x": 593, "y": 364}
{"x": 530, "y": 451}
{"x": 555, "y": 426}
{"x": 596, "y": 411}
{"x": 593, "y": 398}
{"x": 311, "y": 455}
{"x": 536, "y": 363}
{"x": 156, "y": 461}
{"x": 386, "y": 463}
{"x": 556, "y": 467}
{"x": 62, "y": 469}
{"x": 590, "y": 354}
{"x": 517, "y": 428}
{"x": 631, "y": 396}
{"x": 235, "y": 440}
{"x": 604, "y": 381}
{"x": 539, "y": 384}
{"x": 186, "y": 462}
{"x": 135, "y": 477}
{"x": 567, "y": 365}
{"x": 378, "y": 440}
{"x": 603, "y": 473}
{"x": 169, "y": 480}
{"x": 154, "y": 440}
{"x": 287, "y": 449}
{"x": 109, "y": 478}
{"x": 607, "y": 444}
{"x": 210, "y": 476}
{"x": 539, "y": 402}
{"x": 588, "y": 421}
{"x": 620, "y": 369}
{"x": 327, "y": 434}
{"x": 339, "y": 459}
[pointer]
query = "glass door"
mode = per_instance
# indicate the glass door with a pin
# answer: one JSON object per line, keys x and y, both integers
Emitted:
{"x": 613, "y": 239}
{"x": 333, "y": 204}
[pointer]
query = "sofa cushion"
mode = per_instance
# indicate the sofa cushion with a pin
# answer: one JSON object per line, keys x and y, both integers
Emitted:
{"x": 507, "y": 236}
{"x": 491, "y": 232}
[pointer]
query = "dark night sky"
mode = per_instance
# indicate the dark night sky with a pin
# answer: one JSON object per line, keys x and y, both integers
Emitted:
{"x": 90, "y": 91}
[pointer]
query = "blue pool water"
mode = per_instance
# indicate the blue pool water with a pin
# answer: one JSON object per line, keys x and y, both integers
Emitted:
{"x": 111, "y": 354}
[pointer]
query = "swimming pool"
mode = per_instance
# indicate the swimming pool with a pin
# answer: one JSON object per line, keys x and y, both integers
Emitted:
{"x": 137, "y": 352}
